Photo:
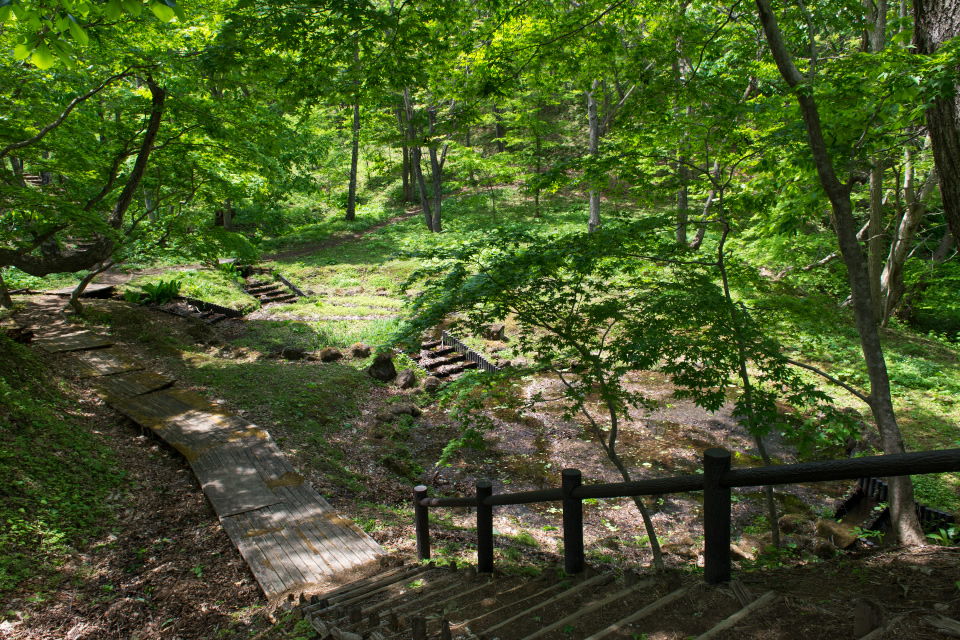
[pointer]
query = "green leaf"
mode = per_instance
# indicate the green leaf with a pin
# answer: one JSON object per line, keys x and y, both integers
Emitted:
{"x": 62, "y": 22}
{"x": 133, "y": 7}
{"x": 78, "y": 33}
{"x": 114, "y": 9}
{"x": 162, "y": 11}
{"x": 4, "y": 13}
{"x": 43, "y": 57}
{"x": 21, "y": 51}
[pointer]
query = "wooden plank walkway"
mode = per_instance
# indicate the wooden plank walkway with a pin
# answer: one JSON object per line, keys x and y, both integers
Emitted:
{"x": 290, "y": 536}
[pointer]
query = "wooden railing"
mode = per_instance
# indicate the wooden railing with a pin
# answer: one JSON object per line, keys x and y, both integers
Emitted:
{"x": 716, "y": 481}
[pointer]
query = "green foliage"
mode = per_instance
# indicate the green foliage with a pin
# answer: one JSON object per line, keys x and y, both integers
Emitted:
{"x": 946, "y": 537}
{"x": 160, "y": 292}
{"x": 622, "y": 299}
{"x": 56, "y": 474}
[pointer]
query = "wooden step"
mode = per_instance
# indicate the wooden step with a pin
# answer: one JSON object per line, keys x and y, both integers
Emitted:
{"x": 731, "y": 621}
{"x": 597, "y": 581}
{"x": 652, "y": 608}
{"x": 355, "y": 596}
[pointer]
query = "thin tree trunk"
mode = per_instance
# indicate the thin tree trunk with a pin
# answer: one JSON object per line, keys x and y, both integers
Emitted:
{"x": 875, "y": 241}
{"x": 902, "y": 508}
{"x": 6, "y": 301}
{"x": 683, "y": 207}
{"x": 891, "y": 280}
{"x": 354, "y": 159}
{"x": 499, "y": 129}
{"x": 594, "y": 149}
{"x": 82, "y": 285}
{"x": 415, "y": 156}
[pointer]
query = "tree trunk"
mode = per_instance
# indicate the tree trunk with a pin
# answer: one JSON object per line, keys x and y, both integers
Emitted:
{"x": 499, "y": 129}
{"x": 875, "y": 241}
{"x": 415, "y": 156}
{"x": 436, "y": 171}
{"x": 891, "y": 280}
{"x": 228, "y": 215}
{"x": 354, "y": 158}
{"x": 594, "y": 123}
{"x": 902, "y": 508}
{"x": 683, "y": 211}
{"x": 82, "y": 285}
{"x": 6, "y": 302}
{"x": 935, "y": 23}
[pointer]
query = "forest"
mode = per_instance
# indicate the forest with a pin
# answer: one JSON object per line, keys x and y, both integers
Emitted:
{"x": 752, "y": 205}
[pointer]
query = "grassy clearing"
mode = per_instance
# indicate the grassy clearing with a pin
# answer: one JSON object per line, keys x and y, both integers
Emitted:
{"x": 56, "y": 474}
{"x": 210, "y": 285}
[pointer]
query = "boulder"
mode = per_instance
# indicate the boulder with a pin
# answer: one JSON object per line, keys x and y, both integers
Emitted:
{"x": 824, "y": 549}
{"x": 330, "y": 354}
{"x": 831, "y": 530}
{"x": 405, "y": 408}
{"x": 407, "y": 379}
{"x": 739, "y": 553}
{"x": 431, "y": 384}
{"x": 382, "y": 368}
{"x": 792, "y": 522}
{"x": 360, "y": 350}
{"x": 493, "y": 332}
{"x": 290, "y": 353}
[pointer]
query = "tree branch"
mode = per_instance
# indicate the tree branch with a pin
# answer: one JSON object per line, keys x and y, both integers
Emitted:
{"x": 831, "y": 379}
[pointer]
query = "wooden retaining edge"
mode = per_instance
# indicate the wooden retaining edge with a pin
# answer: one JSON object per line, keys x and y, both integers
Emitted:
{"x": 353, "y": 598}
{"x": 353, "y": 586}
{"x": 388, "y": 603}
{"x": 290, "y": 285}
{"x": 542, "y": 592}
{"x": 720, "y": 627}
{"x": 623, "y": 593}
{"x": 639, "y": 615}
{"x": 596, "y": 581}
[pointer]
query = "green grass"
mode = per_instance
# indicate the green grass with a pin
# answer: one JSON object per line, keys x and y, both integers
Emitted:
{"x": 269, "y": 335}
{"x": 55, "y": 473}
{"x": 209, "y": 285}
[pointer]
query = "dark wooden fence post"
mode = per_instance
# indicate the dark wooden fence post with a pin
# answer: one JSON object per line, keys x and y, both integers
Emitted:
{"x": 716, "y": 517}
{"x": 422, "y": 522}
{"x": 573, "y": 563}
{"x": 484, "y": 528}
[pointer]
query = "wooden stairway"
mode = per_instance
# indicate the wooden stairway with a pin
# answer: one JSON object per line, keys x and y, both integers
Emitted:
{"x": 421, "y": 602}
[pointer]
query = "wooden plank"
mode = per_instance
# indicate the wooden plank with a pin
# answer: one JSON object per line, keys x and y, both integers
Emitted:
{"x": 623, "y": 593}
{"x": 92, "y": 290}
{"x": 236, "y": 489}
{"x": 639, "y": 615}
{"x": 760, "y": 602}
{"x": 289, "y": 550}
{"x": 353, "y": 547}
{"x": 308, "y": 495}
{"x": 70, "y": 339}
{"x": 105, "y": 362}
{"x": 299, "y": 547}
{"x": 130, "y": 385}
{"x": 326, "y": 544}
{"x": 266, "y": 547}
{"x": 264, "y": 573}
{"x": 263, "y": 534}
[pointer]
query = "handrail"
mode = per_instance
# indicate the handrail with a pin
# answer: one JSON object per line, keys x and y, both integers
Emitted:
{"x": 715, "y": 482}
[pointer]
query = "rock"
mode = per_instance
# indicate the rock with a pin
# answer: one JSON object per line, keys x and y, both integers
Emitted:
{"x": 431, "y": 384}
{"x": 360, "y": 350}
{"x": 382, "y": 368}
{"x": 792, "y": 522}
{"x": 273, "y": 355}
{"x": 679, "y": 550}
{"x": 837, "y": 533}
{"x": 290, "y": 353}
{"x": 384, "y": 416}
{"x": 739, "y": 553}
{"x": 824, "y": 549}
{"x": 492, "y": 332}
{"x": 405, "y": 408}
{"x": 407, "y": 379}
{"x": 330, "y": 354}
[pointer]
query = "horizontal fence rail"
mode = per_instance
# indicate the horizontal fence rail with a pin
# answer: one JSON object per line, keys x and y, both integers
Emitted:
{"x": 716, "y": 481}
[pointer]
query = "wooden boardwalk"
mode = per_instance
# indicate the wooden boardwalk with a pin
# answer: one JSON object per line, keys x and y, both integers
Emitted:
{"x": 290, "y": 536}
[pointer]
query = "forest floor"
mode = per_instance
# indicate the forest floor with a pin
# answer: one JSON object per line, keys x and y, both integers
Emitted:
{"x": 167, "y": 570}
